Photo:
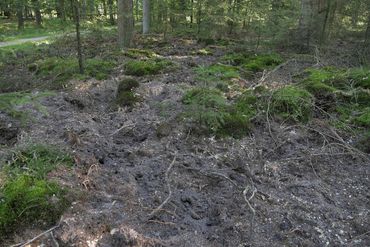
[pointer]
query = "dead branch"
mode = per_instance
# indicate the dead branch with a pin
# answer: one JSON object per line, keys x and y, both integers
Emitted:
{"x": 35, "y": 238}
{"x": 167, "y": 175}
{"x": 121, "y": 128}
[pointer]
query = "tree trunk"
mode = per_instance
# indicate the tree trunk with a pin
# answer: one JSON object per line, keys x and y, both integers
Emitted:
{"x": 36, "y": 7}
{"x": 125, "y": 23}
{"x": 111, "y": 15}
{"x": 61, "y": 10}
{"x": 305, "y": 23}
{"x": 146, "y": 16}
{"x": 20, "y": 6}
{"x": 367, "y": 33}
{"x": 76, "y": 8}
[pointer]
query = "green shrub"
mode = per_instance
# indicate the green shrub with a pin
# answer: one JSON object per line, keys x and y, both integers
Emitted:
{"x": 26, "y": 196}
{"x": 146, "y": 67}
{"x": 292, "y": 102}
{"x": 98, "y": 68}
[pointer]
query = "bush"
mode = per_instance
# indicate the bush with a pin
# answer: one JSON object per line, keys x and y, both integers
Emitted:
{"x": 27, "y": 197}
{"x": 292, "y": 102}
{"x": 125, "y": 96}
{"x": 364, "y": 118}
{"x": 146, "y": 67}
{"x": 127, "y": 84}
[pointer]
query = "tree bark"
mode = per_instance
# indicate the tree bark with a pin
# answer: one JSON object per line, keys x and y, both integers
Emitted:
{"x": 305, "y": 23}
{"x": 61, "y": 10}
{"x": 111, "y": 15}
{"x": 125, "y": 23}
{"x": 146, "y": 16}
{"x": 76, "y": 8}
{"x": 36, "y": 7}
{"x": 20, "y": 6}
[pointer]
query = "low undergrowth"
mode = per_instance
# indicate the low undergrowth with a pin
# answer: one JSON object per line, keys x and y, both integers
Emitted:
{"x": 11, "y": 103}
{"x": 27, "y": 196}
{"x": 147, "y": 67}
{"x": 63, "y": 69}
{"x": 140, "y": 54}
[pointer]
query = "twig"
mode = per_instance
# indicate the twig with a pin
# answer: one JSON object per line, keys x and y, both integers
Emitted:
{"x": 161, "y": 222}
{"x": 159, "y": 208}
{"x": 121, "y": 128}
{"x": 253, "y": 211}
{"x": 35, "y": 238}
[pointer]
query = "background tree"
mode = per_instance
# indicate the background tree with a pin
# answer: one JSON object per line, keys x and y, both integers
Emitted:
{"x": 125, "y": 23}
{"x": 146, "y": 16}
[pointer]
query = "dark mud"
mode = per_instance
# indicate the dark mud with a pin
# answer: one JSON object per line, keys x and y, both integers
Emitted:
{"x": 282, "y": 185}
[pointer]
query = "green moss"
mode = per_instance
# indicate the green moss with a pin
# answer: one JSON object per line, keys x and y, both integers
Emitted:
{"x": 127, "y": 84}
{"x": 10, "y": 103}
{"x": 361, "y": 77}
{"x": 62, "y": 70}
{"x": 261, "y": 62}
{"x": 126, "y": 98}
{"x": 210, "y": 111}
{"x": 216, "y": 73}
{"x": 203, "y": 52}
{"x": 26, "y": 196}
{"x": 364, "y": 118}
{"x": 293, "y": 103}
{"x": 146, "y": 67}
{"x": 138, "y": 53}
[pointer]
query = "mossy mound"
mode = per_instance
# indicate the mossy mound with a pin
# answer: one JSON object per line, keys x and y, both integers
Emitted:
{"x": 146, "y": 67}
{"x": 216, "y": 73}
{"x": 125, "y": 95}
{"x": 293, "y": 103}
{"x": 211, "y": 112}
{"x": 27, "y": 197}
{"x": 64, "y": 69}
{"x": 253, "y": 62}
{"x": 139, "y": 53}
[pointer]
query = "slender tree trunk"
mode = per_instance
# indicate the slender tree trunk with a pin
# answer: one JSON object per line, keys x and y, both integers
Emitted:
{"x": 367, "y": 33}
{"x": 78, "y": 36}
{"x": 36, "y": 7}
{"x": 105, "y": 8}
{"x": 125, "y": 23}
{"x": 146, "y": 16}
{"x": 111, "y": 15}
{"x": 20, "y": 18}
{"x": 305, "y": 23}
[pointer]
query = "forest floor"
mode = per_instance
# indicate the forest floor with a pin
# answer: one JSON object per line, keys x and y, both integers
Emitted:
{"x": 147, "y": 180}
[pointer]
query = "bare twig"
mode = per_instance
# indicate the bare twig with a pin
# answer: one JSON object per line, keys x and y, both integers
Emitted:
{"x": 121, "y": 128}
{"x": 167, "y": 175}
{"x": 35, "y": 238}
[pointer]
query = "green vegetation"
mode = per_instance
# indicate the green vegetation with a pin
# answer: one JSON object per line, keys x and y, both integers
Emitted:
{"x": 64, "y": 69}
{"x": 216, "y": 73}
{"x": 293, "y": 103}
{"x": 146, "y": 67}
{"x": 125, "y": 95}
{"x": 211, "y": 112}
{"x": 11, "y": 103}
{"x": 253, "y": 62}
{"x": 27, "y": 197}
{"x": 140, "y": 54}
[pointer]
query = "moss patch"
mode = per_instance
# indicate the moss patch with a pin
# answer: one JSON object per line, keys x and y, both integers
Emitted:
{"x": 125, "y": 96}
{"x": 27, "y": 197}
{"x": 212, "y": 113}
{"x": 139, "y": 54}
{"x": 146, "y": 67}
{"x": 293, "y": 103}
{"x": 216, "y": 73}
{"x": 10, "y": 103}
{"x": 62, "y": 70}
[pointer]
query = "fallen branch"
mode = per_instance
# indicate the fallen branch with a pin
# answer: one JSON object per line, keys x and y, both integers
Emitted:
{"x": 121, "y": 128}
{"x": 35, "y": 238}
{"x": 167, "y": 175}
